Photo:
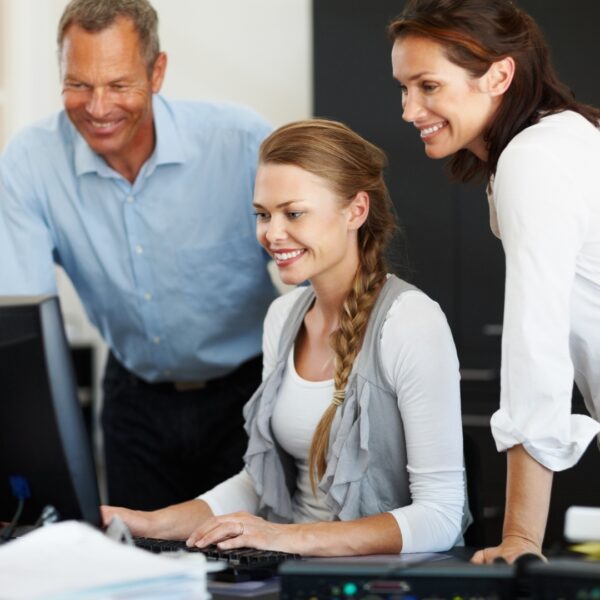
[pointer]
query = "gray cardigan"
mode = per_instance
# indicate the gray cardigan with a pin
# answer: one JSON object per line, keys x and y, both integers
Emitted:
{"x": 366, "y": 474}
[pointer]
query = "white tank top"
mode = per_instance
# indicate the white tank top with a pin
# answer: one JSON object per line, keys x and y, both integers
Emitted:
{"x": 300, "y": 405}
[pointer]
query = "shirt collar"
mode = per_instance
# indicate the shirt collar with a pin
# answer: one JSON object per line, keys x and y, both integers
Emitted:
{"x": 168, "y": 150}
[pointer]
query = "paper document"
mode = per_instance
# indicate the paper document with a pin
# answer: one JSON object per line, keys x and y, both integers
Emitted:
{"x": 71, "y": 560}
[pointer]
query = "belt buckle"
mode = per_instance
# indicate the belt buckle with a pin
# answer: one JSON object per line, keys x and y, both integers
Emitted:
{"x": 189, "y": 386}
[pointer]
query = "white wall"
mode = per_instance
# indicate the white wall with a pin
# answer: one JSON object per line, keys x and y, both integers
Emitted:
{"x": 256, "y": 52}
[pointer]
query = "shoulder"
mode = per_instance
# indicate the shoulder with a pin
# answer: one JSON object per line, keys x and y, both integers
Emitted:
{"x": 211, "y": 117}
{"x": 566, "y": 138}
{"x": 415, "y": 316}
{"x": 416, "y": 343}
{"x": 280, "y": 308}
{"x": 45, "y": 137}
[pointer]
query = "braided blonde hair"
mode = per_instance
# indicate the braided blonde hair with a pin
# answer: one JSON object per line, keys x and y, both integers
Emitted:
{"x": 350, "y": 164}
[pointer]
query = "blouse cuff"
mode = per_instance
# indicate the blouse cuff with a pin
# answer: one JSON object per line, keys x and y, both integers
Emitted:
{"x": 213, "y": 504}
{"x": 404, "y": 525}
{"x": 552, "y": 451}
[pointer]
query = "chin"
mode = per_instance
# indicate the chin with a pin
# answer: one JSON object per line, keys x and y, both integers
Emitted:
{"x": 437, "y": 153}
{"x": 291, "y": 280}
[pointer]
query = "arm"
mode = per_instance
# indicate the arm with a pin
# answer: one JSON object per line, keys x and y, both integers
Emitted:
{"x": 26, "y": 245}
{"x": 542, "y": 216}
{"x": 377, "y": 534}
{"x": 420, "y": 359}
{"x": 178, "y": 521}
{"x": 174, "y": 522}
{"x": 528, "y": 488}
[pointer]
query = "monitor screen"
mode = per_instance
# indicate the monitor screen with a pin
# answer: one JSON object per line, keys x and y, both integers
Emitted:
{"x": 44, "y": 445}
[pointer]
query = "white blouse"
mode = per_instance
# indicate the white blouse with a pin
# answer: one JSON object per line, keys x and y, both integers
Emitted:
{"x": 421, "y": 364}
{"x": 545, "y": 206}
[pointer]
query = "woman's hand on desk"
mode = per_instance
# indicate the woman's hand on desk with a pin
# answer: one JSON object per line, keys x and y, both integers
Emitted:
{"x": 510, "y": 549}
{"x": 243, "y": 530}
{"x": 377, "y": 534}
{"x": 175, "y": 522}
{"x": 139, "y": 522}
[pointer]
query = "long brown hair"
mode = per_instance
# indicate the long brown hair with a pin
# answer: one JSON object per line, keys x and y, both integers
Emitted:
{"x": 349, "y": 164}
{"x": 476, "y": 33}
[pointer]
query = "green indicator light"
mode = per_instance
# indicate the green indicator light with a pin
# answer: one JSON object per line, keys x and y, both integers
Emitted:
{"x": 350, "y": 589}
{"x": 457, "y": 598}
{"x": 595, "y": 593}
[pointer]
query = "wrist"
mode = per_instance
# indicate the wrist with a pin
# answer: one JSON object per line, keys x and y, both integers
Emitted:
{"x": 522, "y": 540}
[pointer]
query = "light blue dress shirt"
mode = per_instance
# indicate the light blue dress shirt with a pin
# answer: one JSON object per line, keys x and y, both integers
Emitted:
{"x": 168, "y": 268}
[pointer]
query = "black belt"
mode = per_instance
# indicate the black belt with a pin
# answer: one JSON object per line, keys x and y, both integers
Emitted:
{"x": 114, "y": 366}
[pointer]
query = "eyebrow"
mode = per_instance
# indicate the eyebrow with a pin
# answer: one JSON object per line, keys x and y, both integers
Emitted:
{"x": 280, "y": 205}
{"x": 419, "y": 75}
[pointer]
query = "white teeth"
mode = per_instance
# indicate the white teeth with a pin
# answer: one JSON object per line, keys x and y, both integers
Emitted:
{"x": 432, "y": 129}
{"x": 287, "y": 255}
{"x": 103, "y": 125}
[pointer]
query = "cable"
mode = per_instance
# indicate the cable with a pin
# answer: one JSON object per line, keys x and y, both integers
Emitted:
{"x": 20, "y": 490}
{"x": 8, "y": 531}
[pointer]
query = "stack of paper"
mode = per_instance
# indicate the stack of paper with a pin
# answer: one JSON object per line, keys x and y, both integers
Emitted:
{"x": 71, "y": 560}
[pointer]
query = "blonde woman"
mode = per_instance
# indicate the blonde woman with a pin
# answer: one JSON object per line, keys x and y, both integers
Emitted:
{"x": 355, "y": 442}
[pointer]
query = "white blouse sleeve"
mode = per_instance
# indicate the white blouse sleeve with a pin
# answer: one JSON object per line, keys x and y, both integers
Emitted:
{"x": 542, "y": 222}
{"x": 419, "y": 359}
{"x": 232, "y": 495}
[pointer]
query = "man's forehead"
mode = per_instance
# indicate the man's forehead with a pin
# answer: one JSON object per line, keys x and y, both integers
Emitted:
{"x": 113, "y": 45}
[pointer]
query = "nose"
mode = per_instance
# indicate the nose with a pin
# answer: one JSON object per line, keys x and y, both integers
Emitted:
{"x": 412, "y": 108}
{"x": 275, "y": 230}
{"x": 97, "y": 105}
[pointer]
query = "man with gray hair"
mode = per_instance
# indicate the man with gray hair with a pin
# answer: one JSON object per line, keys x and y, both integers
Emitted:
{"x": 146, "y": 204}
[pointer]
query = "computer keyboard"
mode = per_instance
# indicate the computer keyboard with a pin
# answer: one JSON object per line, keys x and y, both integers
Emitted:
{"x": 242, "y": 563}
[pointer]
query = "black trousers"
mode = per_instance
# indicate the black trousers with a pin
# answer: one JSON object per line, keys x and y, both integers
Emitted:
{"x": 163, "y": 446}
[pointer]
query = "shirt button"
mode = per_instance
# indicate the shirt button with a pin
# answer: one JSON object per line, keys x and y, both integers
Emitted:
{"x": 157, "y": 339}
{"x": 130, "y": 199}
{"x": 148, "y": 296}
{"x": 139, "y": 249}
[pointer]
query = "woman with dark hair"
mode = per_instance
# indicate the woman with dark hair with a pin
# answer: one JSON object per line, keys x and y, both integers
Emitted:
{"x": 478, "y": 84}
{"x": 355, "y": 443}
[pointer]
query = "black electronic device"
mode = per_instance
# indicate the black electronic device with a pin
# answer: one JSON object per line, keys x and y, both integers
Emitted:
{"x": 378, "y": 579}
{"x": 45, "y": 452}
{"x": 564, "y": 578}
{"x": 243, "y": 564}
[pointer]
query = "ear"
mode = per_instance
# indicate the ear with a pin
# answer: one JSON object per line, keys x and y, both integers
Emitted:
{"x": 158, "y": 72}
{"x": 358, "y": 210}
{"x": 499, "y": 76}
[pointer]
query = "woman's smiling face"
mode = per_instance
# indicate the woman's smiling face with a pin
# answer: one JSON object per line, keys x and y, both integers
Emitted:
{"x": 304, "y": 225}
{"x": 451, "y": 108}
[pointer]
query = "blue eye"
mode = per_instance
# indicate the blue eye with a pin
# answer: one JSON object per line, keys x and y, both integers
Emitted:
{"x": 294, "y": 214}
{"x": 261, "y": 216}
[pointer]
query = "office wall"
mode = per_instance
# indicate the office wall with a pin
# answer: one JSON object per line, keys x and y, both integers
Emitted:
{"x": 254, "y": 52}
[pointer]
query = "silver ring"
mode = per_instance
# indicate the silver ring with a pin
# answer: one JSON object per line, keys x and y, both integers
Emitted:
{"x": 241, "y": 529}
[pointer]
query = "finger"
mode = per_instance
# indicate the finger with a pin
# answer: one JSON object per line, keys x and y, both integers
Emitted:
{"x": 223, "y": 531}
{"x": 478, "y": 558}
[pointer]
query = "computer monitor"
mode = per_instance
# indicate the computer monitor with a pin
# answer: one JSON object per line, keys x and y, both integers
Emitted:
{"x": 44, "y": 445}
